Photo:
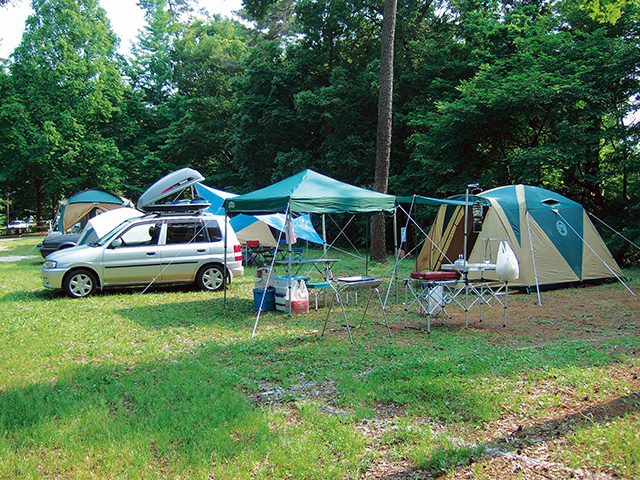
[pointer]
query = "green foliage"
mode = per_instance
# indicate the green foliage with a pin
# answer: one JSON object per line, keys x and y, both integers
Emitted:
{"x": 490, "y": 92}
{"x": 537, "y": 111}
{"x": 607, "y": 10}
{"x": 65, "y": 92}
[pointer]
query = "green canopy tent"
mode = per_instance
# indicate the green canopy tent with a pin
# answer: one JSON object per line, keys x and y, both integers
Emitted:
{"x": 310, "y": 192}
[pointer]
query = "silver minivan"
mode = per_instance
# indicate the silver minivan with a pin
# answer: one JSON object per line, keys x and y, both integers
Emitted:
{"x": 163, "y": 247}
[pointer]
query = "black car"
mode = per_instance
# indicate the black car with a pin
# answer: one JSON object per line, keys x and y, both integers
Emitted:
{"x": 53, "y": 243}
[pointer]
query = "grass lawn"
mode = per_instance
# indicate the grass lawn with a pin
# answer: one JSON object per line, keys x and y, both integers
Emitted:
{"x": 169, "y": 384}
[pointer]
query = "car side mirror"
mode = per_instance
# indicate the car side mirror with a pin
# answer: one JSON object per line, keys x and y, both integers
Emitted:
{"x": 116, "y": 243}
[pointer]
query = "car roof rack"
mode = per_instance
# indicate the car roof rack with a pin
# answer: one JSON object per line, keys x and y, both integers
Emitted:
{"x": 179, "y": 207}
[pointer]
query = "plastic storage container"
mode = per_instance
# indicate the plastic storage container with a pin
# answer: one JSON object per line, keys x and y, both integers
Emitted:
{"x": 269, "y": 302}
{"x": 298, "y": 297}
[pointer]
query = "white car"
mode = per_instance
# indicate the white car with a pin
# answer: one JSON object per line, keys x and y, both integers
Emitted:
{"x": 17, "y": 226}
{"x": 160, "y": 248}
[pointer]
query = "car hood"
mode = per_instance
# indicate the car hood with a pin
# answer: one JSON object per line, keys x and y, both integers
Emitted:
{"x": 78, "y": 254}
{"x": 60, "y": 239}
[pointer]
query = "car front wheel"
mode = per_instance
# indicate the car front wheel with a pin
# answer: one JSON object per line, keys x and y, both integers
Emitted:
{"x": 80, "y": 283}
{"x": 211, "y": 278}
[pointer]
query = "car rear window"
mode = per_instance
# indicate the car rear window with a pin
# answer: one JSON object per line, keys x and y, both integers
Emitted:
{"x": 213, "y": 228}
{"x": 185, "y": 232}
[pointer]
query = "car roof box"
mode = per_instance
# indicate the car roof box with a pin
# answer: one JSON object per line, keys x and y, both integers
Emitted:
{"x": 168, "y": 186}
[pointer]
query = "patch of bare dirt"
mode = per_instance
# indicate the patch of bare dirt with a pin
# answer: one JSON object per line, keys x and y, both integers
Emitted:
{"x": 515, "y": 446}
{"x": 590, "y": 313}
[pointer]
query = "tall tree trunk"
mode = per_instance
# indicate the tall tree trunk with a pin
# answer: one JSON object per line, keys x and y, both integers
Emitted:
{"x": 385, "y": 116}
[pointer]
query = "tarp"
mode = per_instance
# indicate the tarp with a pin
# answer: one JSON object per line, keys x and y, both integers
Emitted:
{"x": 256, "y": 227}
{"x": 420, "y": 200}
{"x": 311, "y": 192}
{"x": 86, "y": 204}
{"x": 552, "y": 236}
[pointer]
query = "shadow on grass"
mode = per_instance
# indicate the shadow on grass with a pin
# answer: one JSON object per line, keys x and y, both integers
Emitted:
{"x": 455, "y": 456}
{"x": 215, "y": 311}
{"x": 559, "y": 427}
{"x": 189, "y": 410}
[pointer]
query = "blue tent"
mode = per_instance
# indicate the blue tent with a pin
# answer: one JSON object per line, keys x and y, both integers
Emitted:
{"x": 254, "y": 227}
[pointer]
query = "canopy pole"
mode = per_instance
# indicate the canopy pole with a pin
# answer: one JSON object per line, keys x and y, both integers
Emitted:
{"x": 595, "y": 253}
{"x": 466, "y": 224}
{"x": 324, "y": 236}
{"x": 264, "y": 294}
{"x": 224, "y": 273}
{"x": 368, "y": 238}
{"x": 290, "y": 254}
{"x": 396, "y": 250}
{"x": 533, "y": 256}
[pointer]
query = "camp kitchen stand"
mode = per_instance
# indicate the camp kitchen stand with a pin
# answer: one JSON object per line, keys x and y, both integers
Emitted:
{"x": 434, "y": 291}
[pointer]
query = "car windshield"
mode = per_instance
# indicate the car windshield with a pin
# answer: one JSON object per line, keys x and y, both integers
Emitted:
{"x": 113, "y": 233}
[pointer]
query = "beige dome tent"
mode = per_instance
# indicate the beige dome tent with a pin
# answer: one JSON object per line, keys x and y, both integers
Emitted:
{"x": 552, "y": 236}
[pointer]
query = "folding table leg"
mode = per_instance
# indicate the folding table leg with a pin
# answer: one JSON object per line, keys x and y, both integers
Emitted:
{"x": 384, "y": 312}
{"x": 344, "y": 313}
{"x": 366, "y": 307}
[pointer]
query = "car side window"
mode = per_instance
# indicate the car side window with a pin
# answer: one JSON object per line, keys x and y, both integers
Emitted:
{"x": 185, "y": 232}
{"x": 213, "y": 229}
{"x": 142, "y": 234}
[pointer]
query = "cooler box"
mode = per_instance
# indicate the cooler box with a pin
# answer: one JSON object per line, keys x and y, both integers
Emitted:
{"x": 434, "y": 276}
{"x": 434, "y": 294}
{"x": 281, "y": 283}
{"x": 269, "y": 302}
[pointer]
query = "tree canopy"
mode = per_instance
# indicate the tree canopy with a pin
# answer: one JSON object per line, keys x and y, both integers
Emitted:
{"x": 500, "y": 92}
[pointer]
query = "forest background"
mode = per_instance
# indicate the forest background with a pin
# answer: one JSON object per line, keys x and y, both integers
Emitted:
{"x": 541, "y": 92}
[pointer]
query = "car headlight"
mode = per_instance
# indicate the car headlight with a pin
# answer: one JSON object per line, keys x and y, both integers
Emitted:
{"x": 50, "y": 264}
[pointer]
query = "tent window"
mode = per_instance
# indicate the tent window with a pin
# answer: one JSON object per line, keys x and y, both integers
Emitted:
{"x": 552, "y": 202}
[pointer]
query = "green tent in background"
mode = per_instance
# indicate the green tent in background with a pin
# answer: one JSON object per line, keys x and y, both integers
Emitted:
{"x": 311, "y": 192}
{"x": 87, "y": 204}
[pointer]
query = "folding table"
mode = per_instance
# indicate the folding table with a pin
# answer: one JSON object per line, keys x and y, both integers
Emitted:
{"x": 343, "y": 285}
{"x": 322, "y": 265}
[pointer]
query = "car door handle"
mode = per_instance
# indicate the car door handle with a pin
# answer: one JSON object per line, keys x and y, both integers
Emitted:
{"x": 149, "y": 254}
{"x": 202, "y": 250}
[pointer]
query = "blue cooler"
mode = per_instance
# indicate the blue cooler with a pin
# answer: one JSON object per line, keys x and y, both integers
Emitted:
{"x": 269, "y": 298}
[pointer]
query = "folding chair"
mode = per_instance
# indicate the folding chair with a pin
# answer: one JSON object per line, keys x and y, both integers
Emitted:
{"x": 253, "y": 254}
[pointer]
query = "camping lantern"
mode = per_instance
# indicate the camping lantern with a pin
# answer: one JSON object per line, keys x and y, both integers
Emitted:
{"x": 477, "y": 210}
